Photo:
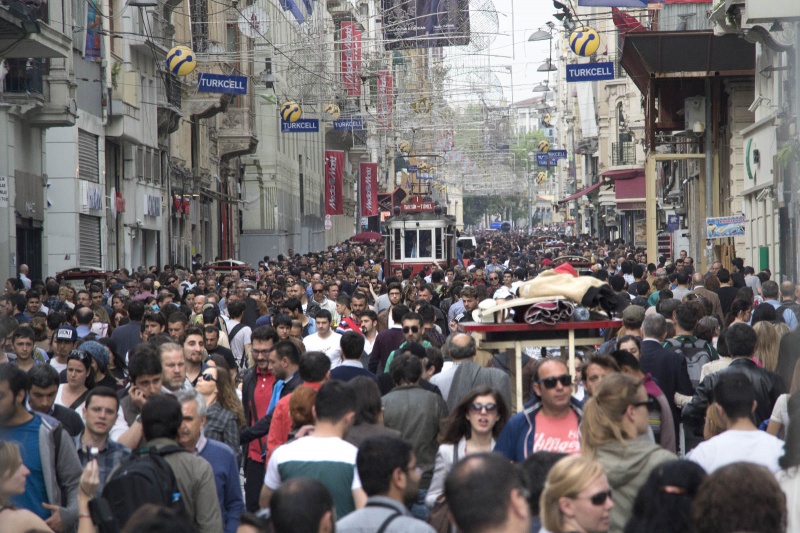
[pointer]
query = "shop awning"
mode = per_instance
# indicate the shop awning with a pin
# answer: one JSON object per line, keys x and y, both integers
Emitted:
{"x": 581, "y": 192}
{"x": 629, "y": 184}
{"x": 665, "y": 54}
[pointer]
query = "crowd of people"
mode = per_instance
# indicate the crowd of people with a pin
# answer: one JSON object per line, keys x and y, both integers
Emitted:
{"x": 326, "y": 392}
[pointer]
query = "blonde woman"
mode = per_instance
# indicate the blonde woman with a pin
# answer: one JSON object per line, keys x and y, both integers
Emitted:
{"x": 13, "y": 475}
{"x": 614, "y": 420}
{"x": 767, "y": 344}
{"x": 577, "y": 497}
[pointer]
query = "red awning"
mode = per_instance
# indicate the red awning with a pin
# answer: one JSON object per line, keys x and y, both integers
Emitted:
{"x": 629, "y": 184}
{"x": 581, "y": 192}
{"x": 626, "y": 23}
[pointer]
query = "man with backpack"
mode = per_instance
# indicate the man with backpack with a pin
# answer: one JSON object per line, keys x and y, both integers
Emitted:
{"x": 697, "y": 352}
{"x": 163, "y": 473}
{"x": 788, "y": 303}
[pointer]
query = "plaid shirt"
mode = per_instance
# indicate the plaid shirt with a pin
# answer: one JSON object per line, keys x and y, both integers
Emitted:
{"x": 109, "y": 458}
{"x": 221, "y": 426}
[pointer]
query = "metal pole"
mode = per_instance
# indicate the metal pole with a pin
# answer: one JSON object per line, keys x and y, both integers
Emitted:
{"x": 709, "y": 160}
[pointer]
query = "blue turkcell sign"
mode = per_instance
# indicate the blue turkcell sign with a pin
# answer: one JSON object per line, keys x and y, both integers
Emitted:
{"x": 348, "y": 124}
{"x": 673, "y": 223}
{"x": 304, "y": 125}
{"x": 550, "y": 158}
{"x": 412, "y": 168}
{"x": 590, "y": 71}
{"x": 495, "y": 225}
{"x": 218, "y": 83}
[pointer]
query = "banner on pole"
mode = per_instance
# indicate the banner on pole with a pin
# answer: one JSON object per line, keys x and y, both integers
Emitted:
{"x": 334, "y": 172}
{"x": 369, "y": 189}
{"x": 351, "y": 58}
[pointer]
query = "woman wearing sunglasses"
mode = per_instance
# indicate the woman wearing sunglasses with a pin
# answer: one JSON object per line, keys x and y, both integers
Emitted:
{"x": 225, "y": 415}
{"x": 614, "y": 419}
{"x": 80, "y": 379}
{"x": 472, "y": 427}
{"x": 576, "y": 497}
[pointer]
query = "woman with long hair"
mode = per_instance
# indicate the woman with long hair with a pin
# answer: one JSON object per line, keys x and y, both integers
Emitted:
{"x": 740, "y": 311}
{"x": 765, "y": 312}
{"x": 225, "y": 415}
{"x": 614, "y": 419}
{"x": 13, "y": 476}
{"x": 766, "y": 351}
{"x": 577, "y": 497}
{"x": 80, "y": 380}
{"x": 664, "y": 503}
{"x": 472, "y": 427}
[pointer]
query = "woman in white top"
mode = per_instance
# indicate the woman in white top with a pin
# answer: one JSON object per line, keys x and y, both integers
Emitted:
{"x": 779, "y": 421}
{"x": 472, "y": 427}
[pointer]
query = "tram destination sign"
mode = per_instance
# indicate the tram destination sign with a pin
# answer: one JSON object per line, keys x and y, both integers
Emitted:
{"x": 416, "y": 207}
{"x": 590, "y": 72}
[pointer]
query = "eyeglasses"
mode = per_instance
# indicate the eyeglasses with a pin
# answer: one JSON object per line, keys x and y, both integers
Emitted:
{"x": 601, "y": 497}
{"x": 641, "y": 404}
{"x": 550, "y": 383}
{"x": 493, "y": 278}
{"x": 79, "y": 355}
{"x": 209, "y": 377}
{"x": 476, "y": 407}
{"x": 412, "y": 329}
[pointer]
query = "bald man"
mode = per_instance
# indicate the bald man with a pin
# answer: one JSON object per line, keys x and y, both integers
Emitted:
{"x": 711, "y": 296}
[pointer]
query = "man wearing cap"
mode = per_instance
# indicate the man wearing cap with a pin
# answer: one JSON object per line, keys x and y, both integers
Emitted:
{"x": 65, "y": 339}
{"x": 632, "y": 318}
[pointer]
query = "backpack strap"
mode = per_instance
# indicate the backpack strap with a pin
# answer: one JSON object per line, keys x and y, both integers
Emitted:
{"x": 389, "y": 519}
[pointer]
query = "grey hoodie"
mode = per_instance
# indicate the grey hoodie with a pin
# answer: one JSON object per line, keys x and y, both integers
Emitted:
{"x": 627, "y": 465}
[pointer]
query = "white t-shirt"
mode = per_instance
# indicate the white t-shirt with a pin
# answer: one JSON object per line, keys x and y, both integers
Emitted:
{"x": 369, "y": 344}
{"x": 329, "y": 345}
{"x": 732, "y": 446}
{"x": 780, "y": 413}
{"x": 58, "y": 366}
{"x": 241, "y": 340}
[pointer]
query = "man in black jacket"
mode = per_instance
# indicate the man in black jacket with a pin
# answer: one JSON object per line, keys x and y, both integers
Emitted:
{"x": 741, "y": 341}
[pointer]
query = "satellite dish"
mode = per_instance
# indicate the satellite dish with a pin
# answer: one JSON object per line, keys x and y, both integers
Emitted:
{"x": 254, "y": 22}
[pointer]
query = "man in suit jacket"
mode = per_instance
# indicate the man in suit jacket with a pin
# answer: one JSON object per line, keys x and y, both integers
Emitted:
{"x": 130, "y": 334}
{"x": 458, "y": 380}
{"x": 667, "y": 368}
{"x": 388, "y": 341}
{"x": 711, "y": 296}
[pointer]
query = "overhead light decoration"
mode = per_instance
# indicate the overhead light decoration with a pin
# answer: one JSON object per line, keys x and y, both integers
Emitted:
{"x": 181, "y": 61}
{"x": 584, "y": 41}
{"x": 544, "y": 146}
{"x": 404, "y": 146}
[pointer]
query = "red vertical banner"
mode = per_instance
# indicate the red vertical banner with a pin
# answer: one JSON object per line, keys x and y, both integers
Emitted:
{"x": 351, "y": 58}
{"x": 385, "y": 99}
{"x": 369, "y": 189}
{"x": 334, "y": 172}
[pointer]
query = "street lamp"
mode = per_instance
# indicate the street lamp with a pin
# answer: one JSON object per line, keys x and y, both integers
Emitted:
{"x": 542, "y": 87}
{"x": 547, "y": 66}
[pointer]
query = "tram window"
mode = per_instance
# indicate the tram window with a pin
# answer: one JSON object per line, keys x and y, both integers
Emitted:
{"x": 439, "y": 254}
{"x": 425, "y": 243}
{"x": 412, "y": 250}
{"x": 398, "y": 249}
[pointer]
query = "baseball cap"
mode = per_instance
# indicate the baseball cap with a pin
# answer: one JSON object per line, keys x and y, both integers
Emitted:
{"x": 633, "y": 316}
{"x": 66, "y": 333}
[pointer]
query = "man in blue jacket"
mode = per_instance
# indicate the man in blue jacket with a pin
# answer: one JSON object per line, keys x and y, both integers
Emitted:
{"x": 219, "y": 455}
{"x": 548, "y": 424}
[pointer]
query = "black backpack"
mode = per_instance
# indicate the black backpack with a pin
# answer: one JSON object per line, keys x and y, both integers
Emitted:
{"x": 145, "y": 477}
{"x": 795, "y": 308}
{"x": 696, "y": 354}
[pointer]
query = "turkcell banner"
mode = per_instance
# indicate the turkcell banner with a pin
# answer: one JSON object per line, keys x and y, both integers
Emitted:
{"x": 590, "y": 72}
{"x": 348, "y": 124}
{"x": 425, "y": 23}
{"x": 722, "y": 227}
{"x": 219, "y": 83}
{"x": 613, "y": 3}
{"x": 550, "y": 158}
{"x": 304, "y": 125}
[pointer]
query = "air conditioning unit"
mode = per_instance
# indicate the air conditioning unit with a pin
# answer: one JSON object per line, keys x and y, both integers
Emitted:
{"x": 694, "y": 111}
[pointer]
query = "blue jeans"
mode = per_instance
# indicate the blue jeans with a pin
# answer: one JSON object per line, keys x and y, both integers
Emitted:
{"x": 419, "y": 509}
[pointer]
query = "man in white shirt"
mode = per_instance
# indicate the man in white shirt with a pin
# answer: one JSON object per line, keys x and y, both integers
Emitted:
{"x": 325, "y": 340}
{"x": 369, "y": 327}
{"x": 735, "y": 402}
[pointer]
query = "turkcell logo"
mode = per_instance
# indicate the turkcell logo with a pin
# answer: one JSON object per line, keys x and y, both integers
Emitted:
{"x": 217, "y": 83}
{"x": 590, "y": 71}
{"x": 304, "y": 125}
{"x": 348, "y": 124}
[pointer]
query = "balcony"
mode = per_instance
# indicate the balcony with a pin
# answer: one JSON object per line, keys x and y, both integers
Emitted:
{"x": 623, "y": 153}
{"x": 169, "y": 104}
{"x": 236, "y": 134}
{"x": 25, "y": 76}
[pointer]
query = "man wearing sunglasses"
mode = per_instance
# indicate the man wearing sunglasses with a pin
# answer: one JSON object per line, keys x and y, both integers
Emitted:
{"x": 412, "y": 332}
{"x": 550, "y": 420}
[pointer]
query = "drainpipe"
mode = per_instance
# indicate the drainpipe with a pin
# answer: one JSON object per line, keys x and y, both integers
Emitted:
{"x": 709, "y": 150}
